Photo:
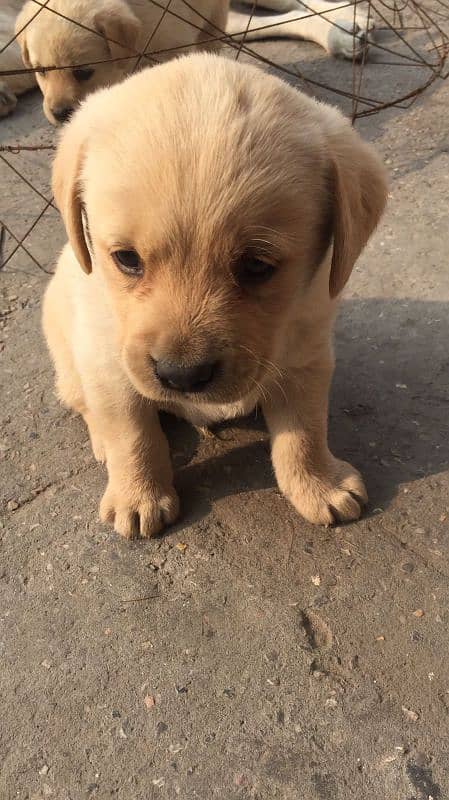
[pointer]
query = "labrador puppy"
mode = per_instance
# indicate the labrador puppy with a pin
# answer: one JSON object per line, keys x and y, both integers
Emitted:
{"x": 212, "y": 226}
{"x": 93, "y": 44}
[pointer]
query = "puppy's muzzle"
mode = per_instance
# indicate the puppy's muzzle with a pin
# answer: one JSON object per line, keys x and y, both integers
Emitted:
{"x": 62, "y": 114}
{"x": 185, "y": 379}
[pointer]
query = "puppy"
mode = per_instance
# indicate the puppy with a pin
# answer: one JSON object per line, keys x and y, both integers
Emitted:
{"x": 212, "y": 225}
{"x": 94, "y": 44}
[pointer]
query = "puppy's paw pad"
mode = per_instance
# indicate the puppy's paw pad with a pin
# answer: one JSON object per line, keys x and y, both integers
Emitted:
{"x": 141, "y": 514}
{"x": 8, "y": 100}
{"x": 338, "y": 496}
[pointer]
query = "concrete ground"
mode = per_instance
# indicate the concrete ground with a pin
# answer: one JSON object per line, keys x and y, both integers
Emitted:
{"x": 245, "y": 654}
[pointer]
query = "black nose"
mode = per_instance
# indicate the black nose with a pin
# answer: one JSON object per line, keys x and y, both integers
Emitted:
{"x": 184, "y": 379}
{"x": 62, "y": 114}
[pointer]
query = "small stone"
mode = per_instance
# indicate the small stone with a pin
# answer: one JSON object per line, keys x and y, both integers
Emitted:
{"x": 331, "y": 702}
{"x": 149, "y": 701}
{"x": 418, "y": 613}
{"x": 44, "y": 770}
{"x": 390, "y": 758}
{"x": 407, "y": 566}
{"x": 161, "y": 727}
{"x": 412, "y": 716}
{"x": 181, "y": 547}
{"x": 12, "y": 505}
{"x": 46, "y": 663}
{"x": 316, "y": 580}
{"x": 159, "y": 782}
{"x": 380, "y": 638}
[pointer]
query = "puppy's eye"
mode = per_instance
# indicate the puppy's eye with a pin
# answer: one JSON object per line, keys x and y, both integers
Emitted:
{"x": 128, "y": 262}
{"x": 82, "y": 74}
{"x": 253, "y": 270}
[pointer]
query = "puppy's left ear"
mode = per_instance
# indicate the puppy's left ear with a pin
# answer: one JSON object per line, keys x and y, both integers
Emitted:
{"x": 119, "y": 26}
{"x": 67, "y": 188}
{"x": 359, "y": 198}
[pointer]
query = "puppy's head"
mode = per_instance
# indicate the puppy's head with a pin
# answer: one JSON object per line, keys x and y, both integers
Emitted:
{"x": 209, "y": 219}
{"x": 83, "y": 53}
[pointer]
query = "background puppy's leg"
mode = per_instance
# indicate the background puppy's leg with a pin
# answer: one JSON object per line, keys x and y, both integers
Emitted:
{"x": 334, "y": 31}
{"x": 322, "y": 488}
{"x": 11, "y": 59}
{"x": 217, "y": 22}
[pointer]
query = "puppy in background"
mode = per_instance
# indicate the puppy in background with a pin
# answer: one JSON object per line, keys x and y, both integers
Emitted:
{"x": 212, "y": 226}
{"x": 94, "y": 44}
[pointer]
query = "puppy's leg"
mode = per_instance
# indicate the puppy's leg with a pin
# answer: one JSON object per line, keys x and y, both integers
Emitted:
{"x": 68, "y": 381}
{"x": 139, "y": 498}
{"x": 335, "y": 31}
{"x": 322, "y": 488}
{"x": 216, "y": 23}
{"x": 13, "y": 85}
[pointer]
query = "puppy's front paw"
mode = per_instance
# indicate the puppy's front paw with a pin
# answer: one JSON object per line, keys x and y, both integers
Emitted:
{"x": 336, "y": 494}
{"x": 138, "y": 511}
{"x": 348, "y": 39}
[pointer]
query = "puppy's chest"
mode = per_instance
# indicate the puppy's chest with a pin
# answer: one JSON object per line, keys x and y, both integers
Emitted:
{"x": 207, "y": 414}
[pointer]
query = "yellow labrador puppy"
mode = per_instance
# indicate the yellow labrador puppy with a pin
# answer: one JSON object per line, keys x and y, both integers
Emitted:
{"x": 212, "y": 223}
{"x": 97, "y": 39}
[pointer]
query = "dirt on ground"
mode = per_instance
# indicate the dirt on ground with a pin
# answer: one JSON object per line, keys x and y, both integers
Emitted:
{"x": 245, "y": 653}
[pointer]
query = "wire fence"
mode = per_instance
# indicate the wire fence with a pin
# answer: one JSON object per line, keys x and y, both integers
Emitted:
{"x": 407, "y": 56}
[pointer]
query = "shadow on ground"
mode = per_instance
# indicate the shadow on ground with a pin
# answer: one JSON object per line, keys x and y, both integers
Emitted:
{"x": 389, "y": 411}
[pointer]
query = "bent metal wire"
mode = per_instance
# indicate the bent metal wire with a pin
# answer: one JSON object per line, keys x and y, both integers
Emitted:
{"x": 409, "y": 54}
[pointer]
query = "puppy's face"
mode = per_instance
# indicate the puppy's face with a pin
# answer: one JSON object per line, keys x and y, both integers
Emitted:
{"x": 206, "y": 219}
{"x": 202, "y": 275}
{"x": 82, "y": 55}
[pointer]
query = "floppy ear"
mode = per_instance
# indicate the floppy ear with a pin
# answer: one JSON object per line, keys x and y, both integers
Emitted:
{"x": 67, "y": 189}
{"x": 119, "y": 26}
{"x": 20, "y": 29}
{"x": 360, "y": 194}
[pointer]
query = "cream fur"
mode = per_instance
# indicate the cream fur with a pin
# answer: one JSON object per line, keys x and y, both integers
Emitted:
{"x": 208, "y": 171}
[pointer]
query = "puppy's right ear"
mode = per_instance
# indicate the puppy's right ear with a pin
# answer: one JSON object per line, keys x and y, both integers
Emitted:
{"x": 67, "y": 188}
{"x": 20, "y": 29}
{"x": 119, "y": 26}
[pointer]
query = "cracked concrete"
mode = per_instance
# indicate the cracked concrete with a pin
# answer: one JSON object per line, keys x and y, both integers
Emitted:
{"x": 266, "y": 658}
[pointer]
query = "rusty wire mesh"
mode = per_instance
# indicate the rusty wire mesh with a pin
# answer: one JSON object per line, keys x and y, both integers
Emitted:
{"x": 412, "y": 41}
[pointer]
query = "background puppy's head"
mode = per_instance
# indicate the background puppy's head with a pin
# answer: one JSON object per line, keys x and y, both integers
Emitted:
{"x": 47, "y": 39}
{"x": 209, "y": 219}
